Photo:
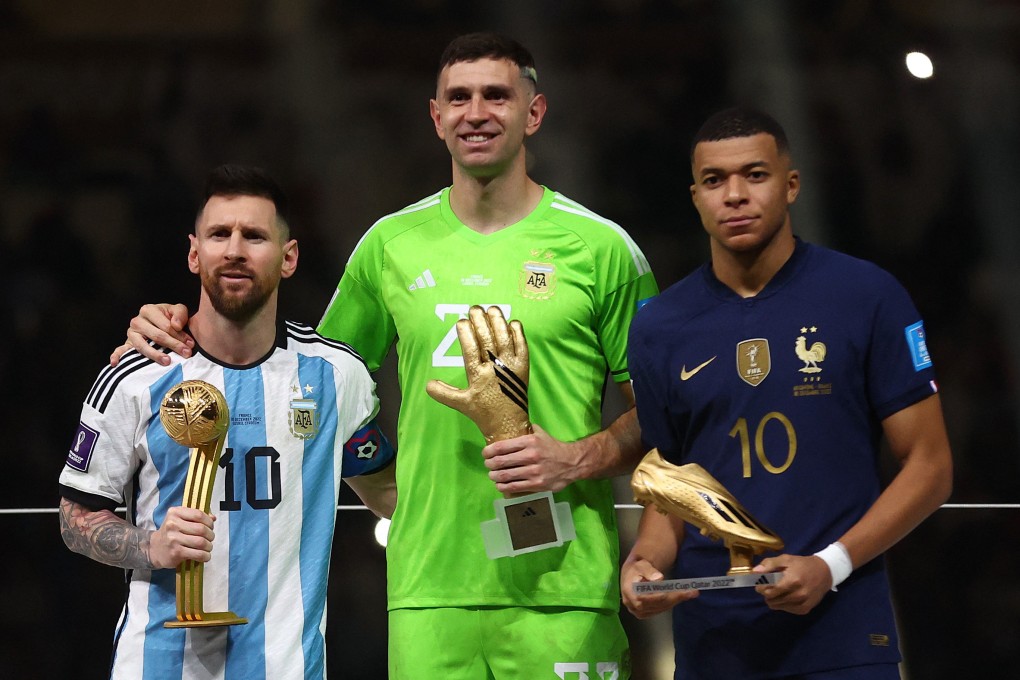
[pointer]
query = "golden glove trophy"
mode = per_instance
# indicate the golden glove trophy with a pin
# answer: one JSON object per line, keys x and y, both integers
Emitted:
{"x": 496, "y": 399}
{"x": 692, "y": 494}
{"x": 195, "y": 414}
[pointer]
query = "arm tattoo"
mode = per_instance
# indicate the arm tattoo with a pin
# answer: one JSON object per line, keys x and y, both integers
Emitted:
{"x": 104, "y": 536}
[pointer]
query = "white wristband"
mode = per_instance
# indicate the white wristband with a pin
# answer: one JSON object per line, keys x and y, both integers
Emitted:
{"x": 838, "y": 560}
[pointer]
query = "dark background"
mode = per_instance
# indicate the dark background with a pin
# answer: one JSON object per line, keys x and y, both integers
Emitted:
{"x": 111, "y": 113}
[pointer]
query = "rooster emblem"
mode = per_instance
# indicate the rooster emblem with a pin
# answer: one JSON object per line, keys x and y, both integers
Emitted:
{"x": 811, "y": 356}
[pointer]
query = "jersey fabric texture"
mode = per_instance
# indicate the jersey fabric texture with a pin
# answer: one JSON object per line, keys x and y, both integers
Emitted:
{"x": 300, "y": 418}
{"x": 574, "y": 280}
{"x": 781, "y": 396}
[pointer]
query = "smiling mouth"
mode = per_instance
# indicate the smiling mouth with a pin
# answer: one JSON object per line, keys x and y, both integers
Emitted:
{"x": 476, "y": 138}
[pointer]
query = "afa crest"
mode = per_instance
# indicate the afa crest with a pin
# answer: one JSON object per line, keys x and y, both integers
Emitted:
{"x": 304, "y": 418}
{"x": 754, "y": 361}
{"x": 538, "y": 280}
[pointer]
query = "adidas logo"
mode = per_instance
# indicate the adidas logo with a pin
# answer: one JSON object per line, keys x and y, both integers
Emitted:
{"x": 529, "y": 512}
{"x": 763, "y": 580}
{"x": 424, "y": 280}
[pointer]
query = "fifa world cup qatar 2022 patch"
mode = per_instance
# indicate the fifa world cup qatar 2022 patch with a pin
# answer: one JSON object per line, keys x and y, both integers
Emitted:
{"x": 80, "y": 454}
{"x": 918, "y": 345}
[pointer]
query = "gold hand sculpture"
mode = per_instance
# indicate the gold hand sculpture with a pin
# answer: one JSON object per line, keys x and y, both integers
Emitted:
{"x": 496, "y": 362}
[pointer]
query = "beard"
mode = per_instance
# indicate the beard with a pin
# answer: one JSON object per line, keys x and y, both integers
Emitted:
{"x": 236, "y": 304}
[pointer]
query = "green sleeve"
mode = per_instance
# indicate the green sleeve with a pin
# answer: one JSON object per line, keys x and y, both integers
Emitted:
{"x": 357, "y": 313}
{"x": 627, "y": 291}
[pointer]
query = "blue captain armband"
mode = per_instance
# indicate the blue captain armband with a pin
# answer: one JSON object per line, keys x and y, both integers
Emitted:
{"x": 367, "y": 451}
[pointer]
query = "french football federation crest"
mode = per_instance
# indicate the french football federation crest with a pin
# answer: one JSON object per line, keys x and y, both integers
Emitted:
{"x": 811, "y": 356}
{"x": 538, "y": 280}
{"x": 753, "y": 361}
{"x": 304, "y": 418}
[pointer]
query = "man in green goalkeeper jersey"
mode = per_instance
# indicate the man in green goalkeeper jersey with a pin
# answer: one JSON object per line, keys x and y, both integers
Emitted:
{"x": 574, "y": 280}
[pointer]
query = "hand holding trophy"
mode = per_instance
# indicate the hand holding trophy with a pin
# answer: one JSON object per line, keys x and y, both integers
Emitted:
{"x": 497, "y": 365}
{"x": 195, "y": 414}
{"x": 695, "y": 496}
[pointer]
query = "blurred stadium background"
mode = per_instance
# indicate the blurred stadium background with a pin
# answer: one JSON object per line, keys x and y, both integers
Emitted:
{"x": 112, "y": 112}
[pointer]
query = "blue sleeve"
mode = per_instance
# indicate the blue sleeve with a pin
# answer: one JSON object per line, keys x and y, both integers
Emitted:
{"x": 900, "y": 371}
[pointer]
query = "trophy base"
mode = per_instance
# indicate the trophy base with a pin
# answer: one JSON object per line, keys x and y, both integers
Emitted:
{"x": 741, "y": 557}
{"x": 706, "y": 583}
{"x": 209, "y": 620}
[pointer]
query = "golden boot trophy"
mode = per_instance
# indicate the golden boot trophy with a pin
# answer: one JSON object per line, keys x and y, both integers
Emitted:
{"x": 695, "y": 496}
{"x": 195, "y": 414}
{"x": 497, "y": 365}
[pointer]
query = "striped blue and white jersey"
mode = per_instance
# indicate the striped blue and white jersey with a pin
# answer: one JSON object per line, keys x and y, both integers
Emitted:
{"x": 300, "y": 418}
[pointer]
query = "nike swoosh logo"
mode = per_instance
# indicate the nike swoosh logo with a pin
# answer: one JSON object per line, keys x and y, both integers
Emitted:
{"x": 686, "y": 375}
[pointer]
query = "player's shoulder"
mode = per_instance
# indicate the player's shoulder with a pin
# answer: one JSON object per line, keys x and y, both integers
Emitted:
{"x": 130, "y": 378}
{"x": 679, "y": 303}
{"x": 304, "y": 340}
{"x": 408, "y": 217}
{"x": 841, "y": 267}
{"x": 603, "y": 237}
{"x": 587, "y": 223}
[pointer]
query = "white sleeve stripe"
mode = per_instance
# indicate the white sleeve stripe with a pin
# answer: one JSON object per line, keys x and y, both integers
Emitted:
{"x": 306, "y": 335}
{"x": 635, "y": 252}
{"x": 413, "y": 208}
{"x": 106, "y": 384}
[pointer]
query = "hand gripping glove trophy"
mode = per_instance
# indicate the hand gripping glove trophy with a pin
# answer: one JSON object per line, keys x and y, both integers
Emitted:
{"x": 692, "y": 494}
{"x": 496, "y": 399}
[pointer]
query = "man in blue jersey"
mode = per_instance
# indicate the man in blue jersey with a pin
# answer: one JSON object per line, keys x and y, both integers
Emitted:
{"x": 777, "y": 367}
{"x": 302, "y": 415}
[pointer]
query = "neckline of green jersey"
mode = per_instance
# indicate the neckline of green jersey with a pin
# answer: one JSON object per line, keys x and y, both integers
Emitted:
{"x": 548, "y": 195}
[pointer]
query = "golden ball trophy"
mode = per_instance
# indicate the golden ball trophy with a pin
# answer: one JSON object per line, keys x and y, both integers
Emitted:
{"x": 195, "y": 414}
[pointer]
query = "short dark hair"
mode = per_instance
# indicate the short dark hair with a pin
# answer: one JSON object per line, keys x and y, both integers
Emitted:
{"x": 488, "y": 45}
{"x": 248, "y": 180}
{"x": 740, "y": 121}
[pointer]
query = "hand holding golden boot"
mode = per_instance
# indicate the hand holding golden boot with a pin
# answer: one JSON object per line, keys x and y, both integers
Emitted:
{"x": 496, "y": 362}
{"x": 496, "y": 399}
{"x": 692, "y": 494}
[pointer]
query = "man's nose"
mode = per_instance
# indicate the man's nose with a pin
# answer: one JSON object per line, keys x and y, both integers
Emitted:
{"x": 736, "y": 189}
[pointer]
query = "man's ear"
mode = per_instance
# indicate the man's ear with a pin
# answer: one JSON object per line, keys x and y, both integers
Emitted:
{"x": 792, "y": 186}
{"x": 436, "y": 118}
{"x": 536, "y": 113}
{"x": 193, "y": 254}
{"x": 290, "y": 259}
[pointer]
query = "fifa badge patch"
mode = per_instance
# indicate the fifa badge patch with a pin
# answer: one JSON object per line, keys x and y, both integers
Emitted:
{"x": 538, "y": 279}
{"x": 80, "y": 454}
{"x": 918, "y": 346}
{"x": 754, "y": 361}
{"x": 304, "y": 418}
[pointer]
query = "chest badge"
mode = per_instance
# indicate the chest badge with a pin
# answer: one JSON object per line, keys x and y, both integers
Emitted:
{"x": 537, "y": 278}
{"x": 304, "y": 418}
{"x": 754, "y": 361}
{"x": 811, "y": 356}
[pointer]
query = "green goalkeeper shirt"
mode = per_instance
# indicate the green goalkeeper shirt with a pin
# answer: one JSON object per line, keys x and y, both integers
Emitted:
{"x": 574, "y": 280}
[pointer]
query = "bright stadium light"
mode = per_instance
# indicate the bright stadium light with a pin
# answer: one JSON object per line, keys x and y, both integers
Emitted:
{"x": 382, "y": 532}
{"x": 919, "y": 65}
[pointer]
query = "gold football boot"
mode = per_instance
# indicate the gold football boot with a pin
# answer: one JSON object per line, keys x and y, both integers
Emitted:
{"x": 692, "y": 494}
